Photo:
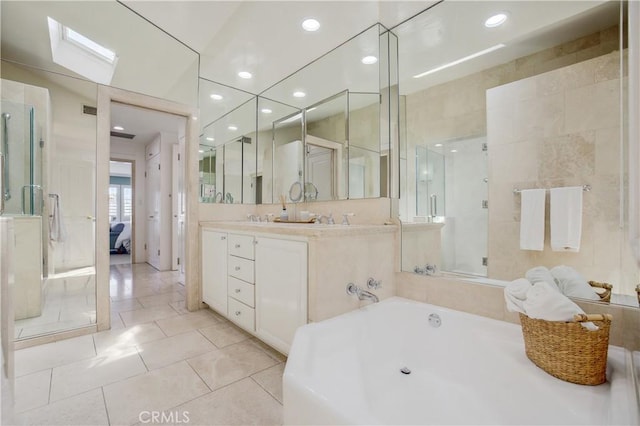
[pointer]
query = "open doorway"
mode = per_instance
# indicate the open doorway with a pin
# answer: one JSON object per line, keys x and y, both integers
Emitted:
{"x": 150, "y": 142}
{"x": 121, "y": 214}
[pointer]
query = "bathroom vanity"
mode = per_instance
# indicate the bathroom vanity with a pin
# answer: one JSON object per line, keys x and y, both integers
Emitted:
{"x": 271, "y": 278}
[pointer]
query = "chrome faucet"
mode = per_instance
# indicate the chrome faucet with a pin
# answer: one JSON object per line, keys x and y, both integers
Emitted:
{"x": 345, "y": 218}
{"x": 362, "y": 294}
{"x": 427, "y": 270}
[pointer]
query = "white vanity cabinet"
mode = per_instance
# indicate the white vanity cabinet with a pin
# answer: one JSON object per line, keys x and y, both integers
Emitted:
{"x": 214, "y": 269}
{"x": 241, "y": 281}
{"x": 258, "y": 282}
{"x": 281, "y": 290}
{"x": 281, "y": 276}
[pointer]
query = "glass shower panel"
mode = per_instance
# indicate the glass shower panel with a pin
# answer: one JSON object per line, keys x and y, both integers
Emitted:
{"x": 430, "y": 184}
{"x": 59, "y": 182}
{"x": 22, "y": 190}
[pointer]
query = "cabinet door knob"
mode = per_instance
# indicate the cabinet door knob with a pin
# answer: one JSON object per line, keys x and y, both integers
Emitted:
{"x": 223, "y": 238}
{"x": 237, "y": 268}
{"x": 237, "y": 290}
{"x": 238, "y": 313}
{"x": 237, "y": 245}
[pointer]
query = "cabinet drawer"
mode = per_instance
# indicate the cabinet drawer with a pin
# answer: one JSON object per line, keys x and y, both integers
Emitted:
{"x": 242, "y": 314}
{"x": 241, "y": 268}
{"x": 241, "y": 291}
{"x": 241, "y": 246}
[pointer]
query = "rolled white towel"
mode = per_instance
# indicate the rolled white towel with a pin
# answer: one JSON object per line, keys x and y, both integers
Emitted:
{"x": 515, "y": 294}
{"x": 541, "y": 274}
{"x": 572, "y": 284}
{"x": 545, "y": 302}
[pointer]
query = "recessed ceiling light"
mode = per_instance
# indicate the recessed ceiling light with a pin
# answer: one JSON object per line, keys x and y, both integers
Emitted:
{"x": 369, "y": 60}
{"x": 266, "y": 111}
{"x": 299, "y": 94}
{"x": 310, "y": 25}
{"x": 454, "y": 150}
{"x": 193, "y": 117}
{"x": 232, "y": 128}
{"x": 496, "y": 20}
{"x": 245, "y": 74}
{"x": 438, "y": 145}
{"x": 216, "y": 97}
{"x": 210, "y": 139}
{"x": 201, "y": 151}
{"x": 120, "y": 128}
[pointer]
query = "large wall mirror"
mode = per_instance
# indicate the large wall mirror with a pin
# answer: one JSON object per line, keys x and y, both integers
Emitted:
{"x": 228, "y": 157}
{"x": 325, "y": 128}
{"x": 493, "y": 108}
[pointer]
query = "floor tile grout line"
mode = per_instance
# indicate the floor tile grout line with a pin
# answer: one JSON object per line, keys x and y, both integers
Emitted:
{"x": 266, "y": 390}
{"x": 142, "y": 359}
{"x": 199, "y": 376}
{"x": 104, "y": 401}
{"x": 50, "y": 387}
{"x": 266, "y": 368}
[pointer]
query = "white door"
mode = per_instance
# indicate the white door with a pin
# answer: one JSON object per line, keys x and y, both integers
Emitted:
{"x": 320, "y": 171}
{"x": 214, "y": 269}
{"x": 182, "y": 213}
{"x": 152, "y": 189}
{"x": 281, "y": 290}
{"x": 176, "y": 186}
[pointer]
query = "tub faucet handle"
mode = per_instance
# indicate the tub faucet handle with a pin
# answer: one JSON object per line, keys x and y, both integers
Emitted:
{"x": 330, "y": 220}
{"x": 374, "y": 284}
{"x": 345, "y": 218}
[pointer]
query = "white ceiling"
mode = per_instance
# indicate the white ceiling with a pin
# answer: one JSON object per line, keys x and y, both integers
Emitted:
{"x": 265, "y": 38}
{"x": 145, "y": 124}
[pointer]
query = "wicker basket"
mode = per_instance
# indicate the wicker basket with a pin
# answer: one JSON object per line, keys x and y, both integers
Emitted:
{"x": 567, "y": 350}
{"x": 605, "y": 296}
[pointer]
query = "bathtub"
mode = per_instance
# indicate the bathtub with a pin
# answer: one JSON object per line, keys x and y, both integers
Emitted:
{"x": 469, "y": 370}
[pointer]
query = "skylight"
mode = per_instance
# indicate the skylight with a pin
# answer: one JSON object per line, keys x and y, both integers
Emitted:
{"x": 80, "y": 54}
{"x": 90, "y": 45}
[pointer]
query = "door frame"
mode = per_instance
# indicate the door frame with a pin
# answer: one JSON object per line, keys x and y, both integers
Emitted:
{"x": 107, "y": 95}
{"x": 133, "y": 203}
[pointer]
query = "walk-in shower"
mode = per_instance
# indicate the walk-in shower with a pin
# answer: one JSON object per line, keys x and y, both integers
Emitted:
{"x": 21, "y": 174}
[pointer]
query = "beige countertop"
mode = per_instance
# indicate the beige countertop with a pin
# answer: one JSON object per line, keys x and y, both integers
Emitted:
{"x": 299, "y": 229}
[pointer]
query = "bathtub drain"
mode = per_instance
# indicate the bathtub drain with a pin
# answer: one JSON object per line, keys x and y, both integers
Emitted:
{"x": 405, "y": 370}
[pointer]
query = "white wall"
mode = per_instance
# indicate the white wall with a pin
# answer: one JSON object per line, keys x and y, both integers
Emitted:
{"x": 127, "y": 150}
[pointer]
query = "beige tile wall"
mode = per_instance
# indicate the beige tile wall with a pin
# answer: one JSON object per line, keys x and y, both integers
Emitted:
{"x": 559, "y": 128}
{"x": 457, "y": 109}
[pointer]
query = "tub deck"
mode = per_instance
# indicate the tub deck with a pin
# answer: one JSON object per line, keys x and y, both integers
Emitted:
{"x": 470, "y": 370}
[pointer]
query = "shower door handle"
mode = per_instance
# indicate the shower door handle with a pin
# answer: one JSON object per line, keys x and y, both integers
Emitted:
{"x": 2, "y": 183}
{"x": 433, "y": 205}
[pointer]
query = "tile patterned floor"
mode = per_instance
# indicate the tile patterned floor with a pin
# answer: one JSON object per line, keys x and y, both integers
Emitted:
{"x": 69, "y": 302}
{"x": 157, "y": 360}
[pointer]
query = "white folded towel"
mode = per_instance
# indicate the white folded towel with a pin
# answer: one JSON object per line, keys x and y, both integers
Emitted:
{"x": 544, "y": 302}
{"x": 566, "y": 218}
{"x": 542, "y": 274}
{"x": 572, "y": 284}
{"x": 515, "y": 293}
{"x": 532, "y": 219}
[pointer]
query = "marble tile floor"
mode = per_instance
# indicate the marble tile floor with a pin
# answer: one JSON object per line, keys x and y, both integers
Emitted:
{"x": 158, "y": 364}
{"x": 69, "y": 301}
